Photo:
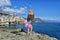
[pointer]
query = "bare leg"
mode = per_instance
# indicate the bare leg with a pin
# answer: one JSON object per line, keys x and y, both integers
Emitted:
{"x": 31, "y": 29}
{"x": 28, "y": 31}
{"x": 28, "y": 34}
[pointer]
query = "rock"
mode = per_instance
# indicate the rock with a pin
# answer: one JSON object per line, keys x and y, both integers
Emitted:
{"x": 21, "y": 30}
{"x": 22, "y": 36}
{"x": 22, "y": 33}
{"x": 14, "y": 30}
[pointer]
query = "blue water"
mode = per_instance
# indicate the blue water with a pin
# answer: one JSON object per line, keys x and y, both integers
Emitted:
{"x": 50, "y": 28}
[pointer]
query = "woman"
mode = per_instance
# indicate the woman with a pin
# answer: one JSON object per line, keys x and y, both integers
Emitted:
{"x": 28, "y": 25}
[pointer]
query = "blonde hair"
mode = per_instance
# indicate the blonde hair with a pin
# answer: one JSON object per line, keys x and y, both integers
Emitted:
{"x": 30, "y": 12}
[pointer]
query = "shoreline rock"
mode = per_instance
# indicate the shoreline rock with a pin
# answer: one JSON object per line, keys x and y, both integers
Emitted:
{"x": 5, "y": 35}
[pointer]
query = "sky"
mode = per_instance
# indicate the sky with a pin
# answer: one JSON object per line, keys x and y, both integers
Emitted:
{"x": 44, "y": 9}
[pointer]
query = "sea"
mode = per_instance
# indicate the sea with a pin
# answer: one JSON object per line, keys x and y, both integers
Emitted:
{"x": 50, "y": 28}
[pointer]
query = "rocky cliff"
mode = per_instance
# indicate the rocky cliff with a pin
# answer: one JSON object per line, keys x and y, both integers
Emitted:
{"x": 20, "y": 35}
{"x": 37, "y": 20}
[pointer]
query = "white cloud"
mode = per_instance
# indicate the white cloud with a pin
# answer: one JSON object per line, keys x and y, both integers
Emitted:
{"x": 4, "y": 8}
{"x": 7, "y": 9}
{"x": 50, "y": 18}
{"x": 11, "y": 10}
{"x": 5, "y": 2}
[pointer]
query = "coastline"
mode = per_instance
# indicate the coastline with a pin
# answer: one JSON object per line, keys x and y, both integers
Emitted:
{"x": 21, "y": 35}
